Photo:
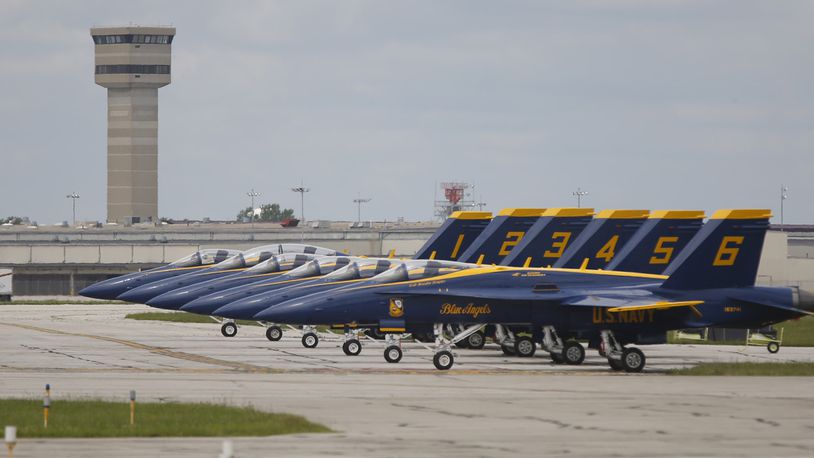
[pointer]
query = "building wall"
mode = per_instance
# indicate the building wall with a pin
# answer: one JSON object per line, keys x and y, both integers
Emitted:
{"x": 132, "y": 154}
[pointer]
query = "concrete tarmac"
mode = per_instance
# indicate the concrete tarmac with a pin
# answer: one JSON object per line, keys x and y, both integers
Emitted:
{"x": 488, "y": 405}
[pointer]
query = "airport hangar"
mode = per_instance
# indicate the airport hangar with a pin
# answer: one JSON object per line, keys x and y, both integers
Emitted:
{"x": 61, "y": 261}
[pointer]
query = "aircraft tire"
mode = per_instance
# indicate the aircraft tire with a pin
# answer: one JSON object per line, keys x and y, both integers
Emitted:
{"x": 557, "y": 358}
{"x": 476, "y": 341}
{"x": 573, "y": 353}
{"x": 615, "y": 364}
{"x": 310, "y": 340}
{"x": 392, "y": 354}
{"x": 228, "y": 329}
{"x": 633, "y": 360}
{"x": 524, "y": 347}
{"x": 773, "y": 347}
{"x": 352, "y": 347}
{"x": 443, "y": 360}
{"x": 274, "y": 333}
{"x": 508, "y": 350}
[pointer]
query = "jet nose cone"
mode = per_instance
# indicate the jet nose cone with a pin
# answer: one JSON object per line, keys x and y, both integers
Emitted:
{"x": 172, "y": 300}
{"x": 100, "y": 291}
{"x": 805, "y": 299}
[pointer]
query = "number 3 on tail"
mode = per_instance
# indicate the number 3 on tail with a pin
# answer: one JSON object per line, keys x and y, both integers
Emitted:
{"x": 728, "y": 251}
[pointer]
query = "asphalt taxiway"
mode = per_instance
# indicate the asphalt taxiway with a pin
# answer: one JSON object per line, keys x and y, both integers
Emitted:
{"x": 488, "y": 405}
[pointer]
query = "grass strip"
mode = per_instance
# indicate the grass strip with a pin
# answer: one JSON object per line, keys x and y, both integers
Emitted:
{"x": 796, "y": 333}
{"x": 93, "y": 418}
{"x": 791, "y": 369}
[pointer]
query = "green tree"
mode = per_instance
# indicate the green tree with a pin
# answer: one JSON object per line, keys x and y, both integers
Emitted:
{"x": 268, "y": 212}
{"x": 245, "y": 213}
{"x": 273, "y": 213}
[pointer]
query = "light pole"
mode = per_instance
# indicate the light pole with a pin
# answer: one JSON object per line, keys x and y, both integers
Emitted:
{"x": 73, "y": 196}
{"x": 253, "y": 194}
{"x": 579, "y": 193}
{"x": 784, "y": 194}
{"x": 359, "y": 201}
{"x": 302, "y": 190}
{"x": 480, "y": 204}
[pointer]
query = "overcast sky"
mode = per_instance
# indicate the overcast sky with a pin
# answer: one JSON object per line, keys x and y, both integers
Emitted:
{"x": 668, "y": 104}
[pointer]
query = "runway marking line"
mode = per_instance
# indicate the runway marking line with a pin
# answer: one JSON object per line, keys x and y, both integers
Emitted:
{"x": 156, "y": 350}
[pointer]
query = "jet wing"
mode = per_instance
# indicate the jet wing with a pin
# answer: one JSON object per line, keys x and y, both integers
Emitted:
{"x": 626, "y": 304}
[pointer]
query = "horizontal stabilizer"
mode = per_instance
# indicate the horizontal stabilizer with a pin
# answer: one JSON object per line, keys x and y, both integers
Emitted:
{"x": 788, "y": 308}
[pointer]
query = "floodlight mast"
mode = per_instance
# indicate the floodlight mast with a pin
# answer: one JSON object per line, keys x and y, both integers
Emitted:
{"x": 302, "y": 190}
{"x": 73, "y": 196}
{"x": 784, "y": 194}
{"x": 253, "y": 194}
{"x": 359, "y": 201}
{"x": 579, "y": 193}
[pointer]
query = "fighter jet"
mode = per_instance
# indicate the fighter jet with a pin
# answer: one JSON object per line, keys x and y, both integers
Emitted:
{"x": 197, "y": 261}
{"x": 710, "y": 283}
{"x": 237, "y": 263}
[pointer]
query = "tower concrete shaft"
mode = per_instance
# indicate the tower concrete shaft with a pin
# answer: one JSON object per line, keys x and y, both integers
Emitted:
{"x": 132, "y": 63}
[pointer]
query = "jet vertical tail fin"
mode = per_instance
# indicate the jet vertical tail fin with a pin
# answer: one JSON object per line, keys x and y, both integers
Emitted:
{"x": 547, "y": 239}
{"x": 725, "y": 252}
{"x": 602, "y": 239}
{"x": 454, "y": 236}
{"x": 658, "y": 241}
{"x": 506, "y": 230}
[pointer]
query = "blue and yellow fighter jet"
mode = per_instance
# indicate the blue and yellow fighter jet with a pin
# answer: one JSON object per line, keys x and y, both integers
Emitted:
{"x": 710, "y": 283}
{"x": 195, "y": 262}
{"x": 230, "y": 266}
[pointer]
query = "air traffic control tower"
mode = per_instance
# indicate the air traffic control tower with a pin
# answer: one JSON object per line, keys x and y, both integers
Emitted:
{"x": 132, "y": 63}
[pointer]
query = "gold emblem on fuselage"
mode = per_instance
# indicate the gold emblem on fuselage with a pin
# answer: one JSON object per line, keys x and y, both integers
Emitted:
{"x": 396, "y": 307}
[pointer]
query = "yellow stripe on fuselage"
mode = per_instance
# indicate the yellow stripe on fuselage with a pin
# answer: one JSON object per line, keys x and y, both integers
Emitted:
{"x": 493, "y": 269}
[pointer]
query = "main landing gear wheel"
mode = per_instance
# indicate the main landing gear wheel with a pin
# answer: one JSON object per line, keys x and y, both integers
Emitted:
{"x": 615, "y": 364}
{"x": 476, "y": 341}
{"x": 443, "y": 360}
{"x": 573, "y": 353}
{"x": 274, "y": 333}
{"x": 228, "y": 329}
{"x": 524, "y": 347}
{"x": 773, "y": 347}
{"x": 392, "y": 354}
{"x": 633, "y": 360}
{"x": 352, "y": 347}
{"x": 557, "y": 358}
{"x": 310, "y": 340}
{"x": 508, "y": 350}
